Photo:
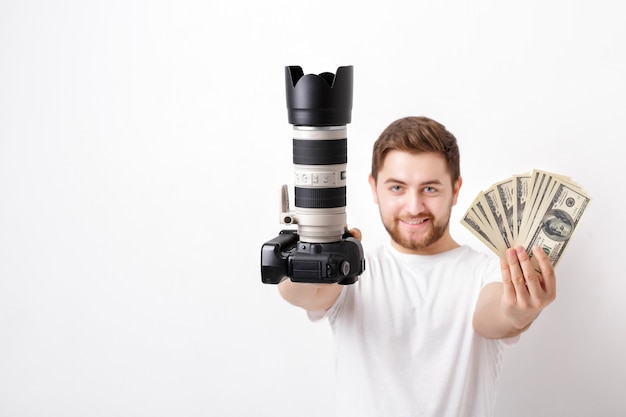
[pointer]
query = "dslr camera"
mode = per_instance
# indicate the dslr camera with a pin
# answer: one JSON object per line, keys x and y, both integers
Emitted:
{"x": 320, "y": 250}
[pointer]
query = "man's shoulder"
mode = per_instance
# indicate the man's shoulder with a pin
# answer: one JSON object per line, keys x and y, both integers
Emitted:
{"x": 379, "y": 253}
{"x": 469, "y": 254}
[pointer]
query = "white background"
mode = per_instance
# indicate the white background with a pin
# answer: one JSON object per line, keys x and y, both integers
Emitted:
{"x": 143, "y": 145}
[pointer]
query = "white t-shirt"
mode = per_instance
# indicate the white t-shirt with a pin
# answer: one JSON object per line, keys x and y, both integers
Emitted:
{"x": 404, "y": 340}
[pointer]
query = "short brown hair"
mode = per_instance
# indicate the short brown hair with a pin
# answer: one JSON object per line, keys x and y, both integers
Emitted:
{"x": 417, "y": 135}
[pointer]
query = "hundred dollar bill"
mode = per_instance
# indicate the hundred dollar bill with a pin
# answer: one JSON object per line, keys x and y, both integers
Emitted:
{"x": 480, "y": 212}
{"x": 536, "y": 187}
{"x": 506, "y": 201}
{"x": 496, "y": 215}
{"x": 520, "y": 191}
{"x": 542, "y": 197}
{"x": 472, "y": 222}
{"x": 558, "y": 221}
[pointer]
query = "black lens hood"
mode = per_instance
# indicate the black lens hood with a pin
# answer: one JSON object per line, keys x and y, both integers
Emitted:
{"x": 319, "y": 100}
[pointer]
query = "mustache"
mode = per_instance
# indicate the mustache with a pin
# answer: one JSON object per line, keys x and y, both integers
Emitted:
{"x": 418, "y": 218}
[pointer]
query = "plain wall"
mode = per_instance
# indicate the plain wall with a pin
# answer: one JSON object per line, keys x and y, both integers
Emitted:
{"x": 142, "y": 149}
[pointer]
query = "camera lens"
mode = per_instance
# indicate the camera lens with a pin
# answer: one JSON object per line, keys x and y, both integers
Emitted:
{"x": 319, "y": 108}
{"x": 320, "y": 157}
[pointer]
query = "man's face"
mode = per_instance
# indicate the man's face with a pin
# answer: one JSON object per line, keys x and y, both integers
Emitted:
{"x": 415, "y": 198}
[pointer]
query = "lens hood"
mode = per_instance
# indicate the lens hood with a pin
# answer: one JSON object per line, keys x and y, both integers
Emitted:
{"x": 319, "y": 100}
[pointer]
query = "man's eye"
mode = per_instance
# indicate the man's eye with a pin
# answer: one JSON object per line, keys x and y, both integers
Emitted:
{"x": 396, "y": 188}
{"x": 430, "y": 190}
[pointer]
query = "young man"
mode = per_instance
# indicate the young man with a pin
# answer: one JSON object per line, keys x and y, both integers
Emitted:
{"x": 423, "y": 331}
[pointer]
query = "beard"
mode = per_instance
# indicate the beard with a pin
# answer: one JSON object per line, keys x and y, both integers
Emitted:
{"x": 436, "y": 229}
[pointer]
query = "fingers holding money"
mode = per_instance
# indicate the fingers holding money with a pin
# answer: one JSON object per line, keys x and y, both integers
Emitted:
{"x": 526, "y": 290}
{"x": 547, "y": 276}
{"x": 515, "y": 286}
{"x": 522, "y": 274}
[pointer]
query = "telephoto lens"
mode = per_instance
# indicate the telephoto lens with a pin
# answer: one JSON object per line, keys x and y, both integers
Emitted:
{"x": 321, "y": 251}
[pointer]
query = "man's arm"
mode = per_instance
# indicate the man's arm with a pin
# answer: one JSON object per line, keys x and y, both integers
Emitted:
{"x": 311, "y": 297}
{"x": 506, "y": 309}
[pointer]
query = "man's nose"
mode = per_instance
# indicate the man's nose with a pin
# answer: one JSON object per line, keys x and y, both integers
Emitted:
{"x": 415, "y": 203}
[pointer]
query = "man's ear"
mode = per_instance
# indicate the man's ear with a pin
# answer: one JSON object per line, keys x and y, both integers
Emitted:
{"x": 372, "y": 182}
{"x": 455, "y": 190}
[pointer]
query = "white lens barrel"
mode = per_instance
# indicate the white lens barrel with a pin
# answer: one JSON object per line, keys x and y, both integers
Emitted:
{"x": 320, "y": 161}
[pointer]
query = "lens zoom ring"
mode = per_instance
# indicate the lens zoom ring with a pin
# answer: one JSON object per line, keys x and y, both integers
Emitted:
{"x": 320, "y": 197}
{"x": 320, "y": 152}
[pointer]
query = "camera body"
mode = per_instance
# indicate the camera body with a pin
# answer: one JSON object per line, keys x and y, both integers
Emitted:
{"x": 320, "y": 250}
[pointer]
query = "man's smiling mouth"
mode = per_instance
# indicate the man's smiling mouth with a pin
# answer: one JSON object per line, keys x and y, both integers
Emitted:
{"x": 415, "y": 222}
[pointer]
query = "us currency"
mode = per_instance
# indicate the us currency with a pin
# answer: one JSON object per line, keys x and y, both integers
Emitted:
{"x": 506, "y": 201}
{"x": 495, "y": 213}
{"x": 520, "y": 191}
{"x": 477, "y": 220}
{"x": 537, "y": 189}
{"x": 471, "y": 220}
{"x": 558, "y": 221}
{"x": 533, "y": 209}
{"x": 542, "y": 198}
{"x": 544, "y": 194}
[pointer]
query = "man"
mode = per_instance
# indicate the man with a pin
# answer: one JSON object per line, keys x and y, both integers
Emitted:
{"x": 423, "y": 331}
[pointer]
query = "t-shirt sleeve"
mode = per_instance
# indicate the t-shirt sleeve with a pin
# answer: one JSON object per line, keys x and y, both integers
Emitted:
{"x": 331, "y": 312}
{"x": 316, "y": 315}
{"x": 492, "y": 271}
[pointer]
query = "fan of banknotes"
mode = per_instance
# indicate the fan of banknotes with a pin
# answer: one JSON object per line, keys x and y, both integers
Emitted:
{"x": 537, "y": 209}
